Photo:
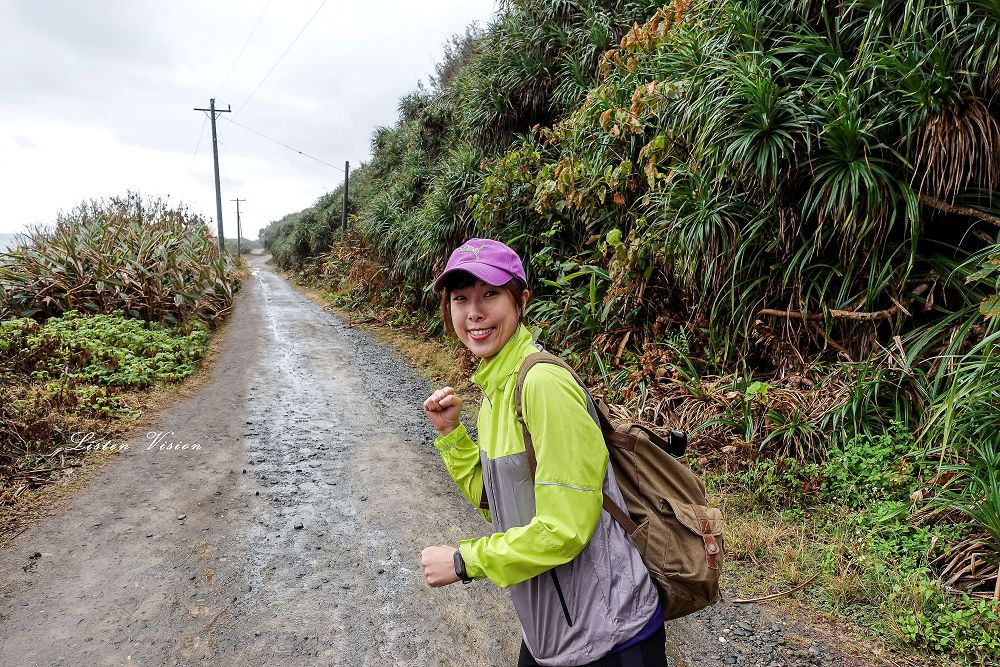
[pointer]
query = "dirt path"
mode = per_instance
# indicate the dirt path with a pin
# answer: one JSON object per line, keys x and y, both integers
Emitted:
{"x": 292, "y": 535}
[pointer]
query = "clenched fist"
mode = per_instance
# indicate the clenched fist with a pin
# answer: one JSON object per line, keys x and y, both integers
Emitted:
{"x": 444, "y": 410}
{"x": 438, "y": 564}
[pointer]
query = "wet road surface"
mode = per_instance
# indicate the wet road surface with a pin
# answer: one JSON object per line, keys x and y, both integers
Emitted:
{"x": 291, "y": 536}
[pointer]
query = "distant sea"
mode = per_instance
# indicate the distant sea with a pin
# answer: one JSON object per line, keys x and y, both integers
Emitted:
{"x": 6, "y": 241}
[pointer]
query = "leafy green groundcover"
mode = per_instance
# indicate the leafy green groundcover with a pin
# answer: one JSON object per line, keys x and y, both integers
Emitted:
{"x": 109, "y": 350}
{"x": 76, "y": 374}
{"x": 848, "y": 521}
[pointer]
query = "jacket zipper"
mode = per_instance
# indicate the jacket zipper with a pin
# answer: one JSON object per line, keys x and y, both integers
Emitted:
{"x": 562, "y": 600}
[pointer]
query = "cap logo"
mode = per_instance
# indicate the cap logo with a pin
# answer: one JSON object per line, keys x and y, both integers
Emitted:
{"x": 475, "y": 250}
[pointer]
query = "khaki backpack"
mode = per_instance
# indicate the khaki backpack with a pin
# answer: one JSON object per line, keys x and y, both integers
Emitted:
{"x": 667, "y": 515}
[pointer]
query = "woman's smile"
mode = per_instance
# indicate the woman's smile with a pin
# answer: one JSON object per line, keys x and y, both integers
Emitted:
{"x": 481, "y": 333}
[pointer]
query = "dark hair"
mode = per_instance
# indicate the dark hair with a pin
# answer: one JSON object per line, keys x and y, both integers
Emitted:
{"x": 463, "y": 279}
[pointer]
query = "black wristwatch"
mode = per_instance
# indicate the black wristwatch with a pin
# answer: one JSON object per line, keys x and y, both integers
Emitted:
{"x": 460, "y": 568}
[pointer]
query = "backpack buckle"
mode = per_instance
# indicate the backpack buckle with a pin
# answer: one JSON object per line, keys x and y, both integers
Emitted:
{"x": 711, "y": 544}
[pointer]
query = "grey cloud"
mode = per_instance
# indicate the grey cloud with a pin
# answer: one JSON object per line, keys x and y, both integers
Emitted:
{"x": 136, "y": 69}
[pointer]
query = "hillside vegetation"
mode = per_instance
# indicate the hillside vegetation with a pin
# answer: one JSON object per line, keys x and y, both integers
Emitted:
{"x": 773, "y": 224}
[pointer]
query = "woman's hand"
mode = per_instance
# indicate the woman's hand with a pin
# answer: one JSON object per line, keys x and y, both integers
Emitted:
{"x": 438, "y": 564}
{"x": 444, "y": 409}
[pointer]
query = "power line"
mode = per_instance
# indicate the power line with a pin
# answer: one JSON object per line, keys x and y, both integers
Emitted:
{"x": 197, "y": 146}
{"x": 280, "y": 58}
{"x": 281, "y": 143}
{"x": 243, "y": 48}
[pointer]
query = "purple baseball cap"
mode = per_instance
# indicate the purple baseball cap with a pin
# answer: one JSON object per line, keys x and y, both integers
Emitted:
{"x": 491, "y": 261}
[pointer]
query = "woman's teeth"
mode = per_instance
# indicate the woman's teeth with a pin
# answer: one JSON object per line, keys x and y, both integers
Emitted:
{"x": 480, "y": 333}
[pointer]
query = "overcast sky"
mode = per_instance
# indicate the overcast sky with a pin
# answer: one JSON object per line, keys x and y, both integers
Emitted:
{"x": 97, "y": 97}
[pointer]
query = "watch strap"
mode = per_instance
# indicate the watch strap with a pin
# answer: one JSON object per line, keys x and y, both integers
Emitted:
{"x": 460, "y": 567}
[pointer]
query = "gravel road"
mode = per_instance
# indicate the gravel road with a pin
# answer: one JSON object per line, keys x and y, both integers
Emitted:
{"x": 291, "y": 534}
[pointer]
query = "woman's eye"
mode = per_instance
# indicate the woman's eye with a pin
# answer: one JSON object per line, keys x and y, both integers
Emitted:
{"x": 490, "y": 293}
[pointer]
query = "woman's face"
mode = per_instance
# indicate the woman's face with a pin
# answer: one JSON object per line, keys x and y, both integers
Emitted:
{"x": 484, "y": 317}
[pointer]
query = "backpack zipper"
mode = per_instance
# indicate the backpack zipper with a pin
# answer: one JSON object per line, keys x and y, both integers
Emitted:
{"x": 562, "y": 600}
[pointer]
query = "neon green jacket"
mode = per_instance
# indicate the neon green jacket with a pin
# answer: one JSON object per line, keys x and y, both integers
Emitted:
{"x": 571, "y": 458}
{"x": 596, "y": 592}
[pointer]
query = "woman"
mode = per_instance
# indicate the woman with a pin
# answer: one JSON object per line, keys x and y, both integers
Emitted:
{"x": 577, "y": 582}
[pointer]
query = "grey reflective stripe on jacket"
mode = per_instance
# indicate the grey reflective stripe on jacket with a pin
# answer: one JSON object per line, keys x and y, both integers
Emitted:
{"x": 577, "y": 612}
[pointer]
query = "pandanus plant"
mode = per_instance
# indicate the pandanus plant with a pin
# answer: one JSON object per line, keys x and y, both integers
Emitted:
{"x": 124, "y": 254}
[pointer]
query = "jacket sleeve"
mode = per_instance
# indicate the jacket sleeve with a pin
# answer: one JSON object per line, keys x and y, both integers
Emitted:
{"x": 461, "y": 457}
{"x": 571, "y": 463}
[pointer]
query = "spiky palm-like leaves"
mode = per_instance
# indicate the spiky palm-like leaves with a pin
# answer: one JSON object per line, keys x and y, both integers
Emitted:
{"x": 809, "y": 165}
{"x": 975, "y": 492}
{"x": 125, "y": 254}
{"x": 797, "y": 108}
{"x": 539, "y": 60}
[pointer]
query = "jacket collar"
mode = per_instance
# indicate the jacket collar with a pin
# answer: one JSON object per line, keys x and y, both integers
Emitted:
{"x": 492, "y": 374}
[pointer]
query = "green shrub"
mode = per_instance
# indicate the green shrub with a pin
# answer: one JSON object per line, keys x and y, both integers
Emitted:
{"x": 870, "y": 471}
{"x": 871, "y": 468}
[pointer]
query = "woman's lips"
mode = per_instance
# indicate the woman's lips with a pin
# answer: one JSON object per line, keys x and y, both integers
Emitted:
{"x": 480, "y": 334}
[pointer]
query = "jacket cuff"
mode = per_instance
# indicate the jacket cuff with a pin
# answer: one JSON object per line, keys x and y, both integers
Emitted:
{"x": 444, "y": 443}
{"x": 472, "y": 567}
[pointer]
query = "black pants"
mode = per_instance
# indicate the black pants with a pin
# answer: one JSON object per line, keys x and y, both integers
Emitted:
{"x": 650, "y": 652}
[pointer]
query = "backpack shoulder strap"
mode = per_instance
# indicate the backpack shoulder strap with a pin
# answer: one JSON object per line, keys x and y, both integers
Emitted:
{"x": 526, "y": 365}
{"x": 619, "y": 515}
{"x": 603, "y": 420}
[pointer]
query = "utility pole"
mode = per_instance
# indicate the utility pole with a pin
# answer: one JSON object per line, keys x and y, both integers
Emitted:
{"x": 343, "y": 215}
{"x": 239, "y": 233}
{"x": 215, "y": 155}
